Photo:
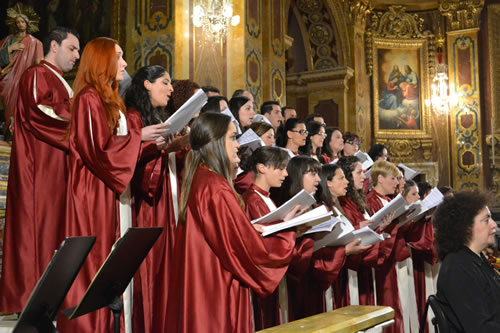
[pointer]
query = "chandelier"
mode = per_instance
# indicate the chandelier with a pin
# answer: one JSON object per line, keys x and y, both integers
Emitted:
{"x": 214, "y": 17}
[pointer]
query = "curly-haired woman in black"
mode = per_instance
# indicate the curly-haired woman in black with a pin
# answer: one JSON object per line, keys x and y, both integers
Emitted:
{"x": 468, "y": 287}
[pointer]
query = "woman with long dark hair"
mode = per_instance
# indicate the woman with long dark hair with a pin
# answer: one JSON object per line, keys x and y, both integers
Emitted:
{"x": 356, "y": 209}
{"x": 102, "y": 159}
{"x": 314, "y": 142}
{"x": 292, "y": 136}
{"x": 219, "y": 256}
{"x": 242, "y": 110}
{"x": 333, "y": 144}
{"x": 146, "y": 97}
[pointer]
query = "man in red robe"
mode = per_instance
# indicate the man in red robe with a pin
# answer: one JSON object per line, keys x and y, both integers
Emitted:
{"x": 36, "y": 193}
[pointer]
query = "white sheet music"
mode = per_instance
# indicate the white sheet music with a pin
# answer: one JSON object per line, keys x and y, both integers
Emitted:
{"x": 186, "y": 112}
{"x": 365, "y": 159}
{"x": 325, "y": 226}
{"x": 409, "y": 172}
{"x": 397, "y": 205}
{"x": 248, "y": 137}
{"x": 303, "y": 198}
{"x": 312, "y": 218}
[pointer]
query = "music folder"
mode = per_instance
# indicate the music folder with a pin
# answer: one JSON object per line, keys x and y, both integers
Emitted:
{"x": 47, "y": 296}
{"x": 117, "y": 271}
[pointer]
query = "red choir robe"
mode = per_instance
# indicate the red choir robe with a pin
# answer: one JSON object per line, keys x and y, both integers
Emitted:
{"x": 420, "y": 237}
{"x": 36, "y": 193}
{"x": 267, "y": 312}
{"x": 101, "y": 166}
{"x": 153, "y": 207}
{"x": 328, "y": 159}
{"x": 218, "y": 258}
{"x": 363, "y": 263}
{"x": 20, "y": 60}
{"x": 385, "y": 274}
{"x": 244, "y": 181}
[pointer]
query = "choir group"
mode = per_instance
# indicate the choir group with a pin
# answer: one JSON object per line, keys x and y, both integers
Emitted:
{"x": 87, "y": 162}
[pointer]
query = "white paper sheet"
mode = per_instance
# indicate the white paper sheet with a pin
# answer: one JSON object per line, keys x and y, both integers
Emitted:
{"x": 303, "y": 198}
{"x": 186, "y": 112}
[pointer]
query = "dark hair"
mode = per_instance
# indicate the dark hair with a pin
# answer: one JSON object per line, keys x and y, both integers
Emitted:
{"x": 283, "y": 109}
{"x": 348, "y": 164}
{"x": 350, "y": 136}
{"x": 297, "y": 167}
{"x": 235, "y": 105}
{"x": 267, "y": 107}
{"x": 312, "y": 116}
{"x": 261, "y": 127}
{"x": 323, "y": 194}
{"x": 282, "y": 136}
{"x": 58, "y": 34}
{"x": 208, "y": 89}
{"x": 313, "y": 128}
{"x": 408, "y": 185}
{"x": 454, "y": 219}
{"x": 377, "y": 150}
{"x": 326, "y": 144}
{"x": 183, "y": 90}
{"x": 423, "y": 189}
{"x": 239, "y": 93}
{"x": 213, "y": 105}
{"x": 207, "y": 140}
{"x": 446, "y": 190}
{"x": 269, "y": 156}
{"x": 137, "y": 96}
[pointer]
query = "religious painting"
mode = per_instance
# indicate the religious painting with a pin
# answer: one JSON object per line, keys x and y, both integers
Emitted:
{"x": 400, "y": 85}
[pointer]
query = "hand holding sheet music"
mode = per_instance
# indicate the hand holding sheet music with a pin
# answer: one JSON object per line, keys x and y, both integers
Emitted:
{"x": 311, "y": 218}
{"x": 186, "y": 112}
{"x": 397, "y": 205}
{"x": 302, "y": 198}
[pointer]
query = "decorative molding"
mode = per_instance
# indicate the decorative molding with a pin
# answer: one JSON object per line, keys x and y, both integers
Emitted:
{"x": 461, "y": 14}
{"x": 405, "y": 150}
{"x": 288, "y": 42}
{"x": 395, "y": 25}
{"x": 358, "y": 11}
{"x": 338, "y": 77}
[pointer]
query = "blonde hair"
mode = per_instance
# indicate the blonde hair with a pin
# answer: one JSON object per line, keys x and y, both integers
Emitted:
{"x": 383, "y": 168}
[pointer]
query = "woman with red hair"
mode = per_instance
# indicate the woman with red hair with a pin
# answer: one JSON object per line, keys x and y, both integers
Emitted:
{"x": 102, "y": 159}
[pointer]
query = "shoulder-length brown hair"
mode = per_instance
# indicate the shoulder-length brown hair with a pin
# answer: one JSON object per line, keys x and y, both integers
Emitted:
{"x": 98, "y": 67}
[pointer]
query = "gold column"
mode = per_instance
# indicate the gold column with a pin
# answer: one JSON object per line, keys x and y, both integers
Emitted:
{"x": 494, "y": 64}
{"x": 463, "y": 68}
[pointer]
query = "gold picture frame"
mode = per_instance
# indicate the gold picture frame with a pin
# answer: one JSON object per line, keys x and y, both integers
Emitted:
{"x": 401, "y": 87}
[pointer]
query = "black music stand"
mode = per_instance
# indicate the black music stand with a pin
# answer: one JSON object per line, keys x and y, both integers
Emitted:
{"x": 47, "y": 296}
{"x": 116, "y": 273}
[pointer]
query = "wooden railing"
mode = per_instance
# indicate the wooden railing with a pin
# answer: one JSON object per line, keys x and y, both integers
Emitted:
{"x": 344, "y": 320}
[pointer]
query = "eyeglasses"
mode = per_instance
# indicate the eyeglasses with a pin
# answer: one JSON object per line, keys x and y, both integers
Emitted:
{"x": 301, "y": 132}
{"x": 354, "y": 143}
{"x": 321, "y": 134}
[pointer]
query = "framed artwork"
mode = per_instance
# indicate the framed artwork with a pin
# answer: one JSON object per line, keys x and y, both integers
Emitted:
{"x": 400, "y": 88}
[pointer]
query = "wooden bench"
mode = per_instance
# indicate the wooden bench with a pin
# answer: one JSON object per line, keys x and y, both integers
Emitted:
{"x": 343, "y": 320}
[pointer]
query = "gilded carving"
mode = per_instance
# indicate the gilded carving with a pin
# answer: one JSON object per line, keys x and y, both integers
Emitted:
{"x": 396, "y": 24}
{"x": 461, "y": 14}
{"x": 358, "y": 11}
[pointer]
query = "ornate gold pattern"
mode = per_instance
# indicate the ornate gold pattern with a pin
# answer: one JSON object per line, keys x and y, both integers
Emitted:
{"x": 405, "y": 151}
{"x": 461, "y": 14}
{"x": 396, "y": 24}
{"x": 358, "y": 10}
{"x": 494, "y": 56}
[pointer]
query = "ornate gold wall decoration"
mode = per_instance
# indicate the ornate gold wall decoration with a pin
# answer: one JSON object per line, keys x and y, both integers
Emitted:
{"x": 358, "y": 11}
{"x": 494, "y": 57}
{"x": 461, "y": 14}
{"x": 466, "y": 117}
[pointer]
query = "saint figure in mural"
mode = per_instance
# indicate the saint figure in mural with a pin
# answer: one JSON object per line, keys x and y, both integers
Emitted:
{"x": 18, "y": 51}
